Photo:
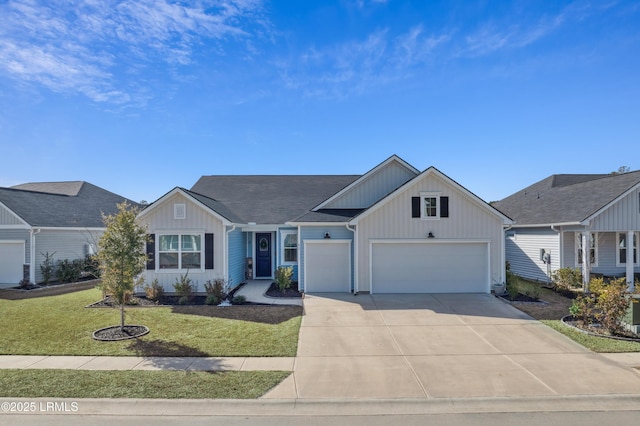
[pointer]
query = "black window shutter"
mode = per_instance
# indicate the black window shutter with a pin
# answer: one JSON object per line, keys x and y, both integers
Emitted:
{"x": 208, "y": 251}
{"x": 415, "y": 206}
{"x": 151, "y": 252}
{"x": 444, "y": 206}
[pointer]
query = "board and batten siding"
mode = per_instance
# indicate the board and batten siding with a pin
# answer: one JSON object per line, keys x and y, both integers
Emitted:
{"x": 393, "y": 220}
{"x": 621, "y": 216}
{"x": 318, "y": 233}
{"x": 523, "y": 252}
{"x": 7, "y": 217}
{"x": 198, "y": 220}
{"x": 373, "y": 188}
{"x": 64, "y": 244}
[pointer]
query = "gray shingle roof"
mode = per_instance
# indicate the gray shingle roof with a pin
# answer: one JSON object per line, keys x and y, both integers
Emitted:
{"x": 270, "y": 199}
{"x": 216, "y": 206}
{"x": 62, "y": 204}
{"x": 329, "y": 215}
{"x": 565, "y": 198}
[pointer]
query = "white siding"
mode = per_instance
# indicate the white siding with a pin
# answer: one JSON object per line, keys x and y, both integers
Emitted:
{"x": 199, "y": 221}
{"x": 63, "y": 244}
{"x": 7, "y": 217}
{"x": 523, "y": 248}
{"x": 623, "y": 215}
{"x": 468, "y": 220}
{"x": 373, "y": 188}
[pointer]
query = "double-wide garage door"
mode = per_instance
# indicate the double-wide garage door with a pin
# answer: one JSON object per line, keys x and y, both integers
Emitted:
{"x": 429, "y": 267}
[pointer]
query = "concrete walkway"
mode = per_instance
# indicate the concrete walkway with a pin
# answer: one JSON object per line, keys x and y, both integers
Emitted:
{"x": 254, "y": 291}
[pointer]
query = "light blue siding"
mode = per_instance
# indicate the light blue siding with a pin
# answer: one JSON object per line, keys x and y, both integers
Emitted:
{"x": 279, "y": 255}
{"x": 237, "y": 258}
{"x": 318, "y": 233}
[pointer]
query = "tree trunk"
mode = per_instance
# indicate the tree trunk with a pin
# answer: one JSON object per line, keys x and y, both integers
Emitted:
{"x": 122, "y": 316}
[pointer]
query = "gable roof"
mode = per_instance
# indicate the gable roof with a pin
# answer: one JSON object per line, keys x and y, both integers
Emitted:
{"x": 433, "y": 171}
{"x": 61, "y": 204}
{"x": 214, "y": 206}
{"x": 566, "y": 199}
{"x": 270, "y": 199}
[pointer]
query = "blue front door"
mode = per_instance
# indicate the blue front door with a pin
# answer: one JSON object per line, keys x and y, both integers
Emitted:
{"x": 263, "y": 255}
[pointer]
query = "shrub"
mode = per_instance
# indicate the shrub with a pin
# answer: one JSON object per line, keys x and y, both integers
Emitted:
{"x": 238, "y": 300}
{"x": 154, "y": 291}
{"x": 91, "y": 266}
{"x": 212, "y": 299}
{"x": 565, "y": 279}
{"x": 283, "y": 277}
{"x": 68, "y": 271}
{"x": 532, "y": 290}
{"x": 184, "y": 300}
{"x": 216, "y": 288}
{"x": 184, "y": 288}
{"x": 48, "y": 267}
{"x": 512, "y": 285}
{"x": 583, "y": 308}
{"x": 612, "y": 303}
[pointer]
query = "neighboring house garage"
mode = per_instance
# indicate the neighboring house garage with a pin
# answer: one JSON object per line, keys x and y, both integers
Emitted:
{"x": 328, "y": 266}
{"x": 419, "y": 266}
{"x": 11, "y": 261}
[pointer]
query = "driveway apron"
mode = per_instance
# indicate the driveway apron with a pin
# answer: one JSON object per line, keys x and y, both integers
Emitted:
{"x": 439, "y": 346}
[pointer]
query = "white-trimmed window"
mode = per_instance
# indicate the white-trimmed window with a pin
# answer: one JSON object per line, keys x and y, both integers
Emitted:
{"x": 593, "y": 251}
{"x": 180, "y": 251}
{"x": 430, "y": 205}
{"x": 289, "y": 247}
{"x": 621, "y": 252}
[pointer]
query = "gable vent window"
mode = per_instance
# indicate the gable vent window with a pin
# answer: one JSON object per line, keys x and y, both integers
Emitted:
{"x": 179, "y": 211}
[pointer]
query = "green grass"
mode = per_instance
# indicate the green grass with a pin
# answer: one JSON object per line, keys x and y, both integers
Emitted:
{"x": 594, "y": 343}
{"x": 61, "y": 325}
{"x": 137, "y": 384}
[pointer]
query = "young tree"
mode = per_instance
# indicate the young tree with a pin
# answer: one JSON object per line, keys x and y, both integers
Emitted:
{"x": 122, "y": 254}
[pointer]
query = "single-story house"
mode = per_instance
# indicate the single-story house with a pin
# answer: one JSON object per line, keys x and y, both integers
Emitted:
{"x": 563, "y": 220}
{"x": 392, "y": 230}
{"x": 64, "y": 218}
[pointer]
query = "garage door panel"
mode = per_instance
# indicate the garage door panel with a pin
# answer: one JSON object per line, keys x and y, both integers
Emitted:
{"x": 429, "y": 267}
{"x": 11, "y": 261}
{"x": 328, "y": 267}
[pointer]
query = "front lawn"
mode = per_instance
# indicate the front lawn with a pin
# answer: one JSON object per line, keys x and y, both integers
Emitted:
{"x": 594, "y": 343}
{"x": 137, "y": 384}
{"x": 61, "y": 325}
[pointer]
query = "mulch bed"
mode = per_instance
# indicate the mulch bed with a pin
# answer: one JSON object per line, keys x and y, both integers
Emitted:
{"x": 292, "y": 291}
{"x": 115, "y": 333}
{"x": 596, "y": 330}
{"x": 52, "y": 289}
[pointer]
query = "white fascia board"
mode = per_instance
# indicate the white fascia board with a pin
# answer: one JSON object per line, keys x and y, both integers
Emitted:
{"x": 610, "y": 204}
{"x": 545, "y": 225}
{"x": 178, "y": 190}
{"x": 68, "y": 228}
{"x": 293, "y": 224}
{"x": 432, "y": 170}
{"x": 14, "y": 214}
{"x": 365, "y": 177}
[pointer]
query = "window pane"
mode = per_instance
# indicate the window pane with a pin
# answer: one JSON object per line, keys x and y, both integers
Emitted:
{"x": 168, "y": 260}
{"x": 190, "y": 260}
{"x": 430, "y": 206}
{"x": 168, "y": 243}
{"x": 290, "y": 255}
{"x": 291, "y": 240}
{"x": 191, "y": 243}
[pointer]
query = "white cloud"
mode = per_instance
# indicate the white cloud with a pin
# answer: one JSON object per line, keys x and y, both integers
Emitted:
{"x": 79, "y": 46}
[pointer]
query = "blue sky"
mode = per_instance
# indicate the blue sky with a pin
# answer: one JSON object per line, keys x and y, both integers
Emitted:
{"x": 140, "y": 96}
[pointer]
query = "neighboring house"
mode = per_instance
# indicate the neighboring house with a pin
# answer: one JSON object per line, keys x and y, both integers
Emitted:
{"x": 575, "y": 217}
{"x": 391, "y": 230}
{"x": 61, "y": 218}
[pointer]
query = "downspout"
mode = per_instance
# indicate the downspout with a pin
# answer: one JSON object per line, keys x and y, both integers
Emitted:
{"x": 225, "y": 271}
{"x": 32, "y": 254}
{"x": 354, "y": 261}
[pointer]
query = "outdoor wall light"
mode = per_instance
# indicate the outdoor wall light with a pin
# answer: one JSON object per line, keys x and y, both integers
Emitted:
{"x": 431, "y": 235}
{"x": 326, "y": 236}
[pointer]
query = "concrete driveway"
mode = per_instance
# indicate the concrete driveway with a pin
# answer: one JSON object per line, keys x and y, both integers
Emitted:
{"x": 439, "y": 346}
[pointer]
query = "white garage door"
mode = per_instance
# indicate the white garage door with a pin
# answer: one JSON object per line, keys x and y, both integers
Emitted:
{"x": 429, "y": 267}
{"x": 327, "y": 266}
{"x": 11, "y": 262}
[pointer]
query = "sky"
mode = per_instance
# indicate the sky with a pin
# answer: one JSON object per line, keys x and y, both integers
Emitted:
{"x": 141, "y": 96}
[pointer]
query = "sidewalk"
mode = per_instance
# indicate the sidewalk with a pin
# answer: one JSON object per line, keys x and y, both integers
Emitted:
{"x": 254, "y": 291}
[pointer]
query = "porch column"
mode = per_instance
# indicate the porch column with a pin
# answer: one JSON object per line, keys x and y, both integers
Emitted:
{"x": 586, "y": 260}
{"x": 630, "y": 262}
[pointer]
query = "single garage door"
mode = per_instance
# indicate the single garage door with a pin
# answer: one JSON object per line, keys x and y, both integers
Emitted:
{"x": 429, "y": 267}
{"x": 11, "y": 262}
{"x": 327, "y": 266}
